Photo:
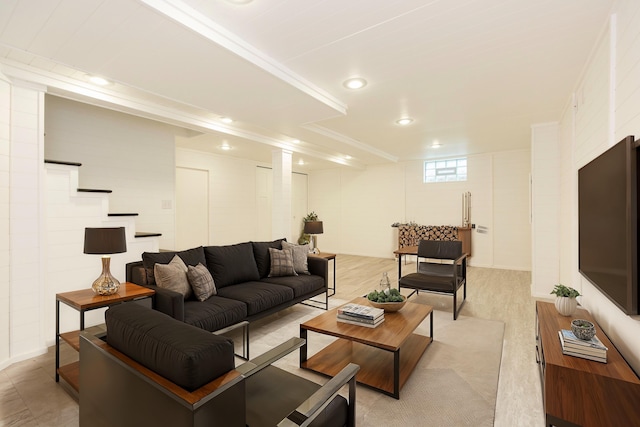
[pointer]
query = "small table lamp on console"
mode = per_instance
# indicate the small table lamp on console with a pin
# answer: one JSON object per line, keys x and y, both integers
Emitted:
{"x": 313, "y": 228}
{"x": 105, "y": 241}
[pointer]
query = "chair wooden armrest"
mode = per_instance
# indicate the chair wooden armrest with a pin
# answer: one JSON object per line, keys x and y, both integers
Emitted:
{"x": 313, "y": 406}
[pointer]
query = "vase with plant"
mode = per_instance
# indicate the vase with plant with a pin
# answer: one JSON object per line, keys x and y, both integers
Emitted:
{"x": 566, "y": 302}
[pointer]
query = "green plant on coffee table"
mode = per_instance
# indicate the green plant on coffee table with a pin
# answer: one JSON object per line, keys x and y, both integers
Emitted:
{"x": 392, "y": 296}
{"x": 565, "y": 291}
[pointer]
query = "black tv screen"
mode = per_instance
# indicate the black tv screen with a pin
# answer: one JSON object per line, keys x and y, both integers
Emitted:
{"x": 608, "y": 224}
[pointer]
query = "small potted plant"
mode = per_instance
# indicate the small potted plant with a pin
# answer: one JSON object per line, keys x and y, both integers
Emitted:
{"x": 566, "y": 302}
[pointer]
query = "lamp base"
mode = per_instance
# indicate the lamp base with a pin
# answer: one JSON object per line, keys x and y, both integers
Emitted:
{"x": 314, "y": 241}
{"x": 106, "y": 284}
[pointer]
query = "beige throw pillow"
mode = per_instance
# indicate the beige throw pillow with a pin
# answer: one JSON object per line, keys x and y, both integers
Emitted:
{"x": 173, "y": 276}
{"x": 201, "y": 282}
{"x": 300, "y": 253}
{"x": 281, "y": 263}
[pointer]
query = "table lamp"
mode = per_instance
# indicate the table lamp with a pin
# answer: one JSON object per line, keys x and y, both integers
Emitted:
{"x": 313, "y": 228}
{"x": 105, "y": 241}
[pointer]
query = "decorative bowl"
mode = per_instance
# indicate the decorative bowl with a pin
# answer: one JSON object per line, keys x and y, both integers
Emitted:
{"x": 583, "y": 329}
{"x": 389, "y": 307}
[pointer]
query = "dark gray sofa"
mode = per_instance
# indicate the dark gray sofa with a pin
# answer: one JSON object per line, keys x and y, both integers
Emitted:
{"x": 245, "y": 292}
{"x": 153, "y": 370}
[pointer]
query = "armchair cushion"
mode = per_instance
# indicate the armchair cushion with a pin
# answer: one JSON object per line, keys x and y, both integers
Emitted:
{"x": 184, "y": 354}
{"x": 291, "y": 390}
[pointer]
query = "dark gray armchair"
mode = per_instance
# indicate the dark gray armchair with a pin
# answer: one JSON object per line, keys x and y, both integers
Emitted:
{"x": 154, "y": 370}
{"x": 442, "y": 268}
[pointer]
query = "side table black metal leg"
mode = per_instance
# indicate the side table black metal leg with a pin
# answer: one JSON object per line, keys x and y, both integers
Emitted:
{"x": 57, "y": 339}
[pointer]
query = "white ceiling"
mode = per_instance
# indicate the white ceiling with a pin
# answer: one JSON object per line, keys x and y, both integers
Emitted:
{"x": 473, "y": 74}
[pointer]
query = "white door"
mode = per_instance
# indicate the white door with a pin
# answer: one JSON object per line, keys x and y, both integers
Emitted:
{"x": 192, "y": 208}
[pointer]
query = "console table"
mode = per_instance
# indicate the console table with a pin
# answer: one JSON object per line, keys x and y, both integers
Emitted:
{"x": 83, "y": 301}
{"x": 580, "y": 392}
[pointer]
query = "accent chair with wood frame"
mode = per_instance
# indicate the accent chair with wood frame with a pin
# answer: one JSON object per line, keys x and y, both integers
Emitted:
{"x": 154, "y": 370}
{"x": 441, "y": 268}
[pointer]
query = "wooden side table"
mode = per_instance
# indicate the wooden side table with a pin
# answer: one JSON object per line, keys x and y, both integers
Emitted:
{"x": 83, "y": 301}
{"x": 329, "y": 256}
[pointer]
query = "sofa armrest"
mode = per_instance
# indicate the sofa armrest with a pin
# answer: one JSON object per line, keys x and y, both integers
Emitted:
{"x": 313, "y": 406}
{"x": 266, "y": 359}
{"x": 319, "y": 267}
{"x": 168, "y": 302}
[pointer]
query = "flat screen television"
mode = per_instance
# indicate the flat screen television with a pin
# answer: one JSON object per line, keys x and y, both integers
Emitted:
{"x": 608, "y": 224}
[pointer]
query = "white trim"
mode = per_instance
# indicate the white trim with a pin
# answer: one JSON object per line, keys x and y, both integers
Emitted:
{"x": 199, "y": 23}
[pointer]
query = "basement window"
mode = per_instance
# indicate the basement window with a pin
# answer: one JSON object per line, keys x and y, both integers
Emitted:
{"x": 448, "y": 170}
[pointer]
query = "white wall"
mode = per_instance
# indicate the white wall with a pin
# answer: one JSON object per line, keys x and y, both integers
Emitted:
{"x": 607, "y": 108}
{"x": 5, "y": 158}
{"x": 545, "y": 208}
{"x": 358, "y": 207}
{"x": 131, "y": 156}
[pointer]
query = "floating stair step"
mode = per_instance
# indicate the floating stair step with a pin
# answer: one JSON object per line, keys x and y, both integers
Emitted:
{"x": 91, "y": 190}
{"x": 60, "y": 162}
{"x": 122, "y": 214}
{"x": 144, "y": 234}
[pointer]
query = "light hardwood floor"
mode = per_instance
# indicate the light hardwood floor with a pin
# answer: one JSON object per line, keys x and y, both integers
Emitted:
{"x": 29, "y": 396}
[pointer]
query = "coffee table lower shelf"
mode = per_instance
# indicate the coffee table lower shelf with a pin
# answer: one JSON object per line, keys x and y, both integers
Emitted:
{"x": 384, "y": 370}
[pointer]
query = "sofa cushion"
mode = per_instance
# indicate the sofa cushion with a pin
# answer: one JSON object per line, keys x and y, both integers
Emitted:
{"x": 261, "y": 255}
{"x": 300, "y": 253}
{"x": 301, "y": 285}
{"x": 201, "y": 281}
{"x": 281, "y": 263}
{"x": 190, "y": 257}
{"x": 258, "y": 296}
{"x": 214, "y": 313}
{"x": 188, "y": 356}
{"x": 173, "y": 276}
{"x": 231, "y": 264}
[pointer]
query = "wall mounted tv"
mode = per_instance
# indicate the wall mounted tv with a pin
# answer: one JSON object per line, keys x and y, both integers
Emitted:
{"x": 608, "y": 223}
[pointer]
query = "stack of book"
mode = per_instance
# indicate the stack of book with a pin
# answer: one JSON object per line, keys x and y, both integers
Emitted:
{"x": 361, "y": 315}
{"x": 592, "y": 349}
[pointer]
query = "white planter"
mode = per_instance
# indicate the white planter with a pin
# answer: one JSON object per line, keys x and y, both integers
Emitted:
{"x": 566, "y": 306}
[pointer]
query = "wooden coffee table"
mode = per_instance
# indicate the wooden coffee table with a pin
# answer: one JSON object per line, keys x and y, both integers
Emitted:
{"x": 387, "y": 354}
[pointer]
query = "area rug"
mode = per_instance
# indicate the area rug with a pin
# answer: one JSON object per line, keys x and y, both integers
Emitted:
{"x": 454, "y": 384}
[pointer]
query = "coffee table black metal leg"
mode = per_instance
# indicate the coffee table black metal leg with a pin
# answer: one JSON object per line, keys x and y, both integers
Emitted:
{"x": 303, "y": 349}
{"x": 396, "y": 374}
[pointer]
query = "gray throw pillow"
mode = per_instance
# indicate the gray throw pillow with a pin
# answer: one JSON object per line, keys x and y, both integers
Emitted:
{"x": 281, "y": 263}
{"x": 201, "y": 282}
{"x": 300, "y": 253}
{"x": 173, "y": 276}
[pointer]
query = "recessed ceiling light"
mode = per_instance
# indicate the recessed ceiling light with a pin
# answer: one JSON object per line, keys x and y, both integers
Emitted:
{"x": 100, "y": 81}
{"x": 225, "y": 146}
{"x": 301, "y": 162}
{"x": 348, "y": 157}
{"x": 355, "y": 83}
{"x": 226, "y": 119}
{"x": 404, "y": 121}
{"x": 436, "y": 144}
{"x": 295, "y": 141}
